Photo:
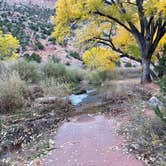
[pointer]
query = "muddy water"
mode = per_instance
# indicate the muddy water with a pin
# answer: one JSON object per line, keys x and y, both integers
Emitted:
{"x": 89, "y": 140}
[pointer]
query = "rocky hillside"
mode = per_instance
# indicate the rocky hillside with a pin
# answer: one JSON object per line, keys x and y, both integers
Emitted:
{"x": 32, "y": 26}
{"x": 41, "y": 3}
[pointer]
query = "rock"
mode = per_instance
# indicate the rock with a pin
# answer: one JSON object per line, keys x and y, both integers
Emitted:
{"x": 135, "y": 146}
{"x": 154, "y": 101}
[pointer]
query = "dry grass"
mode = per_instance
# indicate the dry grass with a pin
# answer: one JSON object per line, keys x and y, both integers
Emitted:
{"x": 148, "y": 133}
{"x": 56, "y": 87}
{"x": 12, "y": 92}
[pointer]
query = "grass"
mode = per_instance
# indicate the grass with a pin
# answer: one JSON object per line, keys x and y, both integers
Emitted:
{"x": 148, "y": 133}
{"x": 56, "y": 87}
{"x": 28, "y": 71}
{"x": 12, "y": 93}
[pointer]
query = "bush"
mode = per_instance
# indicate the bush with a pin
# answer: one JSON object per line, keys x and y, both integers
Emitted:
{"x": 160, "y": 114}
{"x": 28, "y": 72}
{"x": 39, "y": 46}
{"x": 160, "y": 68}
{"x": 128, "y": 64}
{"x": 55, "y": 59}
{"x": 56, "y": 87}
{"x": 162, "y": 84}
{"x": 73, "y": 75}
{"x": 34, "y": 57}
{"x": 12, "y": 93}
{"x": 75, "y": 55}
{"x": 53, "y": 70}
{"x": 2, "y": 67}
{"x": 101, "y": 76}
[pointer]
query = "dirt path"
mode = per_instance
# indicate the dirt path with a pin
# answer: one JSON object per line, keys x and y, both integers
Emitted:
{"x": 89, "y": 140}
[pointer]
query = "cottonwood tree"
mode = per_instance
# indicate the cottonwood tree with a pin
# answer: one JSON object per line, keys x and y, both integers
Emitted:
{"x": 133, "y": 28}
{"x": 8, "y": 46}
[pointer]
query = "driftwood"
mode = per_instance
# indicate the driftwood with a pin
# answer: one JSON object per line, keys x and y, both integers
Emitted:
{"x": 53, "y": 100}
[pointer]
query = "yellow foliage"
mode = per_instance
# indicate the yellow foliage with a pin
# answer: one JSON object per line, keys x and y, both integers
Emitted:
{"x": 8, "y": 46}
{"x": 97, "y": 15}
{"x": 123, "y": 38}
{"x": 93, "y": 30}
{"x": 100, "y": 58}
{"x": 66, "y": 11}
{"x": 158, "y": 6}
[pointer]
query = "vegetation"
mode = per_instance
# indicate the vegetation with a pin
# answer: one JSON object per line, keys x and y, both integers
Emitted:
{"x": 8, "y": 46}
{"x": 28, "y": 72}
{"x": 100, "y": 76}
{"x": 33, "y": 57}
{"x": 133, "y": 29}
{"x": 12, "y": 93}
{"x": 75, "y": 55}
{"x": 161, "y": 66}
{"x": 54, "y": 70}
{"x": 27, "y": 23}
{"x": 100, "y": 58}
{"x": 38, "y": 92}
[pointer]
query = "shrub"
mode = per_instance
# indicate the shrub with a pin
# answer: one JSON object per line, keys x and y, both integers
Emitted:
{"x": 2, "y": 67}
{"x": 162, "y": 83}
{"x": 73, "y": 75}
{"x": 118, "y": 63}
{"x": 101, "y": 76}
{"x": 160, "y": 114}
{"x": 53, "y": 40}
{"x": 75, "y": 55}
{"x": 28, "y": 72}
{"x": 55, "y": 59}
{"x": 160, "y": 68}
{"x": 34, "y": 57}
{"x": 128, "y": 64}
{"x": 53, "y": 70}
{"x": 12, "y": 93}
{"x": 56, "y": 87}
{"x": 39, "y": 46}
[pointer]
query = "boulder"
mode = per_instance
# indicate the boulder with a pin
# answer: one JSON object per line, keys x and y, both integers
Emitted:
{"x": 154, "y": 101}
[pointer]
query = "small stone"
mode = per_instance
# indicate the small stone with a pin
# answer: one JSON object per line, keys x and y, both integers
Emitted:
{"x": 154, "y": 101}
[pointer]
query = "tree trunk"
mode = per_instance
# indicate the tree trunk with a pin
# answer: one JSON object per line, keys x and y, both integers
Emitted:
{"x": 146, "y": 78}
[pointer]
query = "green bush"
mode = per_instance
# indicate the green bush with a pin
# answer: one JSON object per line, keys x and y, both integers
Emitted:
{"x": 75, "y": 55}
{"x": 28, "y": 71}
{"x": 160, "y": 114}
{"x": 128, "y": 64}
{"x": 2, "y": 67}
{"x": 101, "y": 76}
{"x": 73, "y": 75}
{"x": 56, "y": 87}
{"x": 162, "y": 84}
{"x": 161, "y": 67}
{"x": 33, "y": 57}
{"x": 55, "y": 59}
{"x": 12, "y": 93}
{"x": 53, "y": 70}
{"x": 39, "y": 46}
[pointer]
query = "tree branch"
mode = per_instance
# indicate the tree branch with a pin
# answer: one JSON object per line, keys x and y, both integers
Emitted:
{"x": 114, "y": 19}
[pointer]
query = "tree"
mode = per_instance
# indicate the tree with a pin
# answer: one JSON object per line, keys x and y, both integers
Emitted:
{"x": 8, "y": 46}
{"x": 100, "y": 58}
{"x": 142, "y": 21}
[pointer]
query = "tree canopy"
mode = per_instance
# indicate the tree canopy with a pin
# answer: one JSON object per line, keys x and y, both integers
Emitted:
{"x": 8, "y": 46}
{"x": 132, "y": 28}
